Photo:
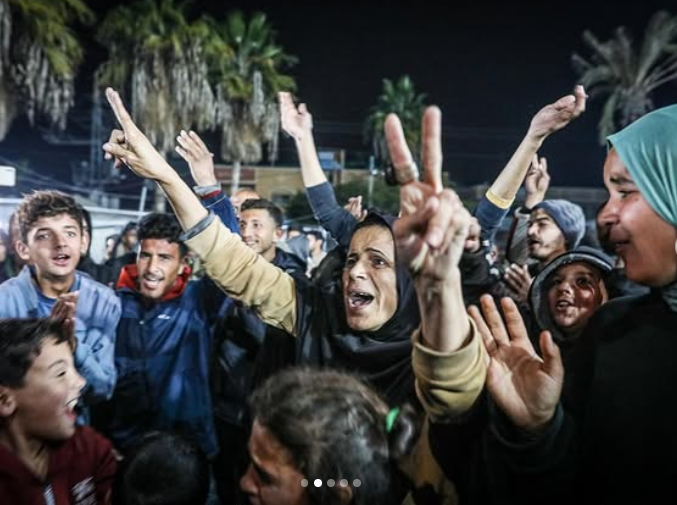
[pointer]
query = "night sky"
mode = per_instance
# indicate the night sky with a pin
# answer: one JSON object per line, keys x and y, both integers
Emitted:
{"x": 489, "y": 66}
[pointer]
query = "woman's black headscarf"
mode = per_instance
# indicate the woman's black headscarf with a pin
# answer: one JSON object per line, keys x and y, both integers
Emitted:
{"x": 382, "y": 357}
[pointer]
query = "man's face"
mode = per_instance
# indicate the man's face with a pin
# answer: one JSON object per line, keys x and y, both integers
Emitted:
{"x": 644, "y": 240}
{"x": 158, "y": 263}
{"x": 259, "y": 232}
{"x": 43, "y": 408}
{"x": 314, "y": 244}
{"x": 544, "y": 238}
{"x": 575, "y": 292}
{"x": 130, "y": 239}
{"x": 53, "y": 246}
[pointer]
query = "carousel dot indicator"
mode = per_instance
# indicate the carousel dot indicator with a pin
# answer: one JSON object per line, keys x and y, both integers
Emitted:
{"x": 304, "y": 483}
{"x": 357, "y": 483}
{"x": 331, "y": 483}
{"x": 318, "y": 483}
{"x": 343, "y": 482}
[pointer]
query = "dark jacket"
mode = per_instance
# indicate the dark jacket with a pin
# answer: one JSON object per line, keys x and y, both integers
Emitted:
{"x": 238, "y": 339}
{"x": 613, "y": 439}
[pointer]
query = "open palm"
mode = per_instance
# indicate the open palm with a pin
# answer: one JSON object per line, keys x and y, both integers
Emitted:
{"x": 296, "y": 122}
{"x": 525, "y": 386}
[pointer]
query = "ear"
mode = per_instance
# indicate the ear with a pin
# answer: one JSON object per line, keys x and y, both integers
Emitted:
{"x": 22, "y": 250}
{"x": 84, "y": 243}
{"x": 7, "y": 402}
{"x": 603, "y": 291}
{"x": 279, "y": 234}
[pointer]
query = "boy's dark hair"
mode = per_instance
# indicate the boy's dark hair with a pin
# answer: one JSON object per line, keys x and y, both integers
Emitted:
{"x": 161, "y": 226}
{"x": 164, "y": 469}
{"x": 334, "y": 427}
{"x": 45, "y": 203}
{"x": 20, "y": 343}
{"x": 262, "y": 203}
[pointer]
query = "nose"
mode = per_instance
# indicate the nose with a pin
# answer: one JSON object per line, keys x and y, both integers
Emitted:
{"x": 152, "y": 264}
{"x": 565, "y": 287}
{"x": 357, "y": 270}
{"x": 247, "y": 482}
{"x": 79, "y": 381}
{"x": 609, "y": 213}
{"x": 532, "y": 230}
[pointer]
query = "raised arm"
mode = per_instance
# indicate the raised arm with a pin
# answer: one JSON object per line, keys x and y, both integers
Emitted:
{"x": 298, "y": 123}
{"x": 430, "y": 235}
{"x": 549, "y": 119}
{"x": 234, "y": 267}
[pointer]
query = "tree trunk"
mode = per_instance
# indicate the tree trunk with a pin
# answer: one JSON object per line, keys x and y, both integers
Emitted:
{"x": 8, "y": 109}
{"x": 235, "y": 179}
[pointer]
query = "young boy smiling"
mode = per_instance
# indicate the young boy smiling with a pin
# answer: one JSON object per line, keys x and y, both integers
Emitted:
{"x": 51, "y": 241}
{"x": 44, "y": 456}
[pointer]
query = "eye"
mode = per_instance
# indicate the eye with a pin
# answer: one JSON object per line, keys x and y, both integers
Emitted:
{"x": 584, "y": 282}
{"x": 379, "y": 262}
{"x": 350, "y": 262}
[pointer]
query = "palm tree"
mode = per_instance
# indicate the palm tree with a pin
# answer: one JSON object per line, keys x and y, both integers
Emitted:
{"x": 248, "y": 84}
{"x": 162, "y": 59}
{"x": 39, "y": 58}
{"x": 626, "y": 74}
{"x": 400, "y": 98}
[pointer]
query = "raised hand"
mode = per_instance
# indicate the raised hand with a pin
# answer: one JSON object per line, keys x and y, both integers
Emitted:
{"x": 430, "y": 234}
{"x": 433, "y": 224}
{"x": 519, "y": 281}
{"x": 200, "y": 160}
{"x": 556, "y": 116}
{"x": 537, "y": 181}
{"x": 354, "y": 206}
{"x": 64, "y": 311}
{"x": 298, "y": 123}
{"x": 130, "y": 146}
{"x": 524, "y": 386}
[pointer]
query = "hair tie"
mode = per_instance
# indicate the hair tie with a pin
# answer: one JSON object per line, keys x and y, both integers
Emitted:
{"x": 390, "y": 419}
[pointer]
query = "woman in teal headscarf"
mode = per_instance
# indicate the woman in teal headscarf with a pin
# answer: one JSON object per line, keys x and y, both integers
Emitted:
{"x": 611, "y": 438}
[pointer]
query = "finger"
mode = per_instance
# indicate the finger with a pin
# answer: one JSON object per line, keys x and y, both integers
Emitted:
{"x": 120, "y": 111}
{"x": 494, "y": 320}
{"x": 489, "y": 342}
{"x": 120, "y": 153}
{"x": 283, "y": 98}
{"x": 416, "y": 222}
{"x": 198, "y": 140}
{"x": 515, "y": 323}
{"x": 565, "y": 102}
{"x": 442, "y": 221}
{"x": 431, "y": 147}
{"x": 534, "y": 162}
{"x": 184, "y": 154}
{"x": 552, "y": 359}
{"x": 303, "y": 109}
{"x": 581, "y": 100}
{"x": 188, "y": 145}
{"x": 400, "y": 155}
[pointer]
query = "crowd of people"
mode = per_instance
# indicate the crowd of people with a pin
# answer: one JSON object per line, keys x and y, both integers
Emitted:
{"x": 212, "y": 359}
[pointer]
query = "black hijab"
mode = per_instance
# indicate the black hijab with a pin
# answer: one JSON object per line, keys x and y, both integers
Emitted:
{"x": 382, "y": 357}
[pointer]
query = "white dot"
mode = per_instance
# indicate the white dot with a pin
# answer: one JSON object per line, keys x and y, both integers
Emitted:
{"x": 343, "y": 483}
{"x": 331, "y": 482}
{"x": 318, "y": 483}
{"x": 357, "y": 483}
{"x": 304, "y": 483}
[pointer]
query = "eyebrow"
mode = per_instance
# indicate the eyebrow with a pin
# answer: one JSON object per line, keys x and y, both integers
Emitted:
{"x": 56, "y": 363}
{"x": 264, "y": 474}
{"x": 620, "y": 180}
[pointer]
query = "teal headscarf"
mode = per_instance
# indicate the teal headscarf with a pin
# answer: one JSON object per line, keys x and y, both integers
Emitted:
{"x": 648, "y": 148}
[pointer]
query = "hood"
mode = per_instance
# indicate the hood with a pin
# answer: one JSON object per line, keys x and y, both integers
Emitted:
{"x": 129, "y": 276}
{"x": 538, "y": 293}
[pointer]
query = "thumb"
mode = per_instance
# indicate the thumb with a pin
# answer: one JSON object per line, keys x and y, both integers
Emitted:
{"x": 552, "y": 359}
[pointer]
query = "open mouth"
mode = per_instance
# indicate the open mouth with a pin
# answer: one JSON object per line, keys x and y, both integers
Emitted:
{"x": 564, "y": 304}
{"x": 359, "y": 299}
{"x": 61, "y": 259}
{"x": 72, "y": 407}
{"x": 151, "y": 282}
{"x": 620, "y": 245}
